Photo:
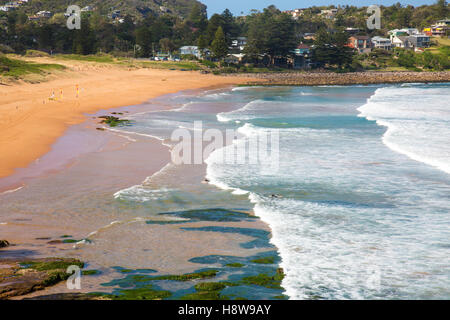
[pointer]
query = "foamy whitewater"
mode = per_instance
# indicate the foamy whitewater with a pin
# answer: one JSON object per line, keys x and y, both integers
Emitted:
{"x": 363, "y": 183}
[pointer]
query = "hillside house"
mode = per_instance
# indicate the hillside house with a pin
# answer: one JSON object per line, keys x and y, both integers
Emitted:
{"x": 381, "y": 43}
{"x": 361, "y": 43}
{"x": 191, "y": 50}
{"x": 238, "y": 45}
{"x": 329, "y": 14}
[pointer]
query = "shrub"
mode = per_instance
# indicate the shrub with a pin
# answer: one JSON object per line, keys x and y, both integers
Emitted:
{"x": 36, "y": 53}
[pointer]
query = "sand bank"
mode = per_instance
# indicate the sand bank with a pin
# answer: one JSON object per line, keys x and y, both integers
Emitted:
{"x": 33, "y": 116}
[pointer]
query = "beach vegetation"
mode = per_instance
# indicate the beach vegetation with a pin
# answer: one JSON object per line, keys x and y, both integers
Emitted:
{"x": 114, "y": 121}
{"x": 15, "y": 68}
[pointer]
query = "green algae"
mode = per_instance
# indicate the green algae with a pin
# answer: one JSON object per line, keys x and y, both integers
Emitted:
{"x": 114, "y": 121}
{"x": 54, "y": 277}
{"x": 90, "y": 272}
{"x": 146, "y": 292}
{"x": 207, "y": 291}
{"x": 210, "y": 286}
{"x": 265, "y": 260}
{"x": 51, "y": 265}
{"x": 265, "y": 280}
{"x": 235, "y": 265}
{"x": 189, "y": 276}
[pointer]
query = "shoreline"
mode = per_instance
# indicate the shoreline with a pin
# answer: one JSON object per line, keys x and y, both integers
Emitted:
{"x": 354, "y": 78}
{"x": 34, "y": 116}
{"x": 198, "y": 244}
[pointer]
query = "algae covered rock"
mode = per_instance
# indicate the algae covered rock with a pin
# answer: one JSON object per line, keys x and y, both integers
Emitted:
{"x": 4, "y": 243}
{"x": 20, "y": 277}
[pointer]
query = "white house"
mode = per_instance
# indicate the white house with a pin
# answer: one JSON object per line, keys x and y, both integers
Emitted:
{"x": 329, "y": 14}
{"x": 191, "y": 50}
{"x": 44, "y": 14}
{"x": 381, "y": 43}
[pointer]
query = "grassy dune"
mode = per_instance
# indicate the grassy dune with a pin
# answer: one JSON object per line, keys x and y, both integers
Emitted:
{"x": 18, "y": 69}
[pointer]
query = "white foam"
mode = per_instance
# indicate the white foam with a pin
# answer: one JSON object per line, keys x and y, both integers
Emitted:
{"x": 11, "y": 191}
{"x": 417, "y": 122}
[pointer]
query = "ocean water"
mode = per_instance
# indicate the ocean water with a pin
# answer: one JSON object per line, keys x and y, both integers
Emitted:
{"x": 363, "y": 187}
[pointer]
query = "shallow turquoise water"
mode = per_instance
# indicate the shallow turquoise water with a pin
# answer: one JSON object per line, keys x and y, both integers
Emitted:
{"x": 358, "y": 214}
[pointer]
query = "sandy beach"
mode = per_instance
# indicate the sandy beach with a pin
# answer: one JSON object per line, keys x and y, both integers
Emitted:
{"x": 33, "y": 116}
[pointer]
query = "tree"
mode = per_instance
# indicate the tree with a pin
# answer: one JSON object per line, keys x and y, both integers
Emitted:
{"x": 332, "y": 49}
{"x": 198, "y": 17}
{"x": 271, "y": 33}
{"x": 84, "y": 40}
{"x": 166, "y": 45}
{"x": 219, "y": 46}
{"x": 442, "y": 9}
{"x": 214, "y": 23}
{"x": 144, "y": 40}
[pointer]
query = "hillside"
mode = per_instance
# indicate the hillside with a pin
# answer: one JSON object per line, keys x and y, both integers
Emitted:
{"x": 136, "y": 8}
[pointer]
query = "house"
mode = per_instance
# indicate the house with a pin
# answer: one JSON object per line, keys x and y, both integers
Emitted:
{"x": 329, "y": 14}
{"x": 296, "y": 13}
{"x": 400, "y": 42}
{"x": 415, "y": 41}
{"x": 381, "y": 43}
{"x": 87, "y": 9}
{"x": 44, "y": 14}
{"x": 191, "y": 50}
{"x": 360, "y": 43}
{"x": 301, "y": 57}
{"x": 115, "y": 14}
{"x": 419, "y": 41}
{"x": 302, "y": 49}
{"x": 352, "y": 31}
{"x": 443, "y": 23}
{"x": 403, "y": 32}
{"x": 238, "y": 44}
{"x": 234, "y": 58}
{"x": 309, "y": 36}
{"x": 439, "y": 29}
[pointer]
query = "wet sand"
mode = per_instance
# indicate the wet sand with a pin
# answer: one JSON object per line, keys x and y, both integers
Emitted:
{"x": 56, "y": 195}
{"x": 33, "y": 116}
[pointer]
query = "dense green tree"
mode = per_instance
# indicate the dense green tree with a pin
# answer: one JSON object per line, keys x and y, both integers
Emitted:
{"x": 214, "y": 23}
{"x": 219, "y": 45}
{"x": 84, "y": 40}
{"x": 271, "y": 33}
{"x": 144, "y": 40}
{"x": 332, "y": 49}
{"x": 442, "y": 9}
{"x": 198, "y": 17}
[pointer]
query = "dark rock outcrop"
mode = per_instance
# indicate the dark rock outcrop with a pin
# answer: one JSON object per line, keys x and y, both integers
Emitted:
{"x": 20, "y": 277}
{"x": 4, "y": 243}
